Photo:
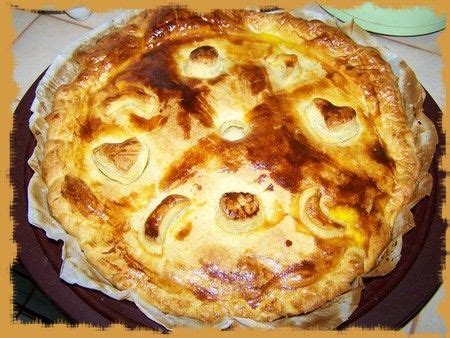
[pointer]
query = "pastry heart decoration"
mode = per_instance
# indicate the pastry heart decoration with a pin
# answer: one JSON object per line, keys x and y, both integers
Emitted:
{"x": 332, "y": 124}
{"x": 123, "y": 162}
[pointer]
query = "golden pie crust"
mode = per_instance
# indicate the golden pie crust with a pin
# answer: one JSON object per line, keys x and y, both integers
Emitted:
{"x": 234, "y": 163}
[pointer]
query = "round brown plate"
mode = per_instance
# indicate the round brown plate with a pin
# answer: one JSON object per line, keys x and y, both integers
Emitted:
{"x": 389, "y": 301}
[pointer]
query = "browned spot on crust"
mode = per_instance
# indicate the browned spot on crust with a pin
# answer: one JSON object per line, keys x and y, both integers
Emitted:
{"x": 149, "y": 124}
{"x": 156, "y": 69}
{"x": 334, "y": 115}
{"x": 378, "y": 153}
{"x": 273, "y": 144}
{"x": 354, "y": 190}
{"x": 203, "y": 293}
{"x": 292, "y": 277}
{"x": 164, "y": 24}
{"x": 113, "y": 48}
{"x": 154, "y": 220}
{"x": 217, "y": 79}
{"x": 126, "y": 202}
{"x": 84, "y": 200}
{"x": 204, "y": 54}
{"x": 52, "y": 117}
{"x": 131, "y": 261}
{"x": 250, "y": 276}
{"x": 288, "y": 243}
{"x": 330, "y": 249}
{"x": 307, "y": 267}
{"x": 277, "y": 147}
{"x": 290, "y": 60}
{"x": 339, "y": 81}
{"x": 239, "y": 205}
{"x": 183, "y": 233}
{"x": 256, "y": 76}
{"x": 183, "y": 169}
{"x": 90, "y": 127}
{"x": 253, "y": 279}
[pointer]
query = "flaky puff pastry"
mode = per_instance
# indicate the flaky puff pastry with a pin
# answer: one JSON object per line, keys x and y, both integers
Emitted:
{"x": 235, "y": 164}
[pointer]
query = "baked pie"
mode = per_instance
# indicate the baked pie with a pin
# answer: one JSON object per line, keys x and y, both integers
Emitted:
{"x": 234, "y": 163}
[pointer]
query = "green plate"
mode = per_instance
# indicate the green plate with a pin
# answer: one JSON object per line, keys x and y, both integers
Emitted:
{"x": 411, "y": 21}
